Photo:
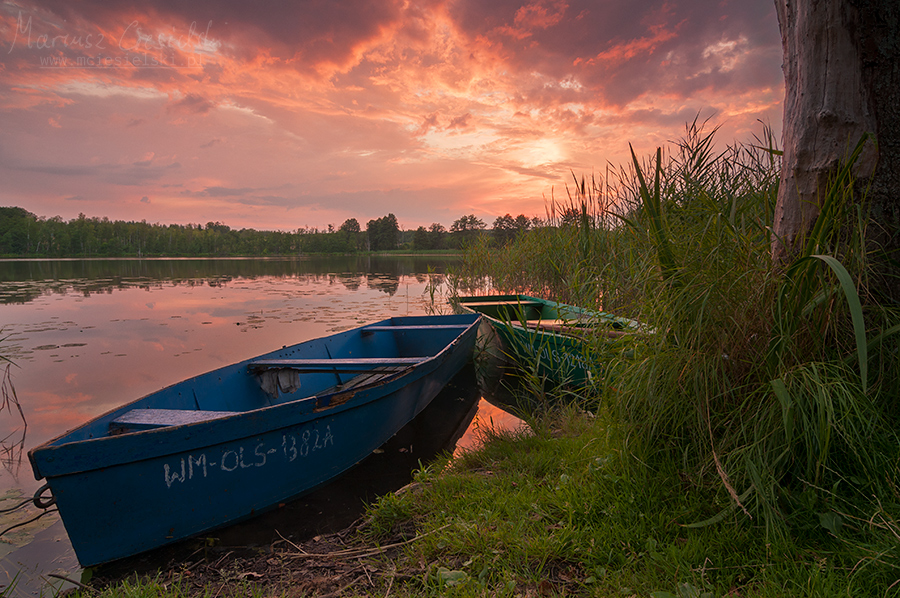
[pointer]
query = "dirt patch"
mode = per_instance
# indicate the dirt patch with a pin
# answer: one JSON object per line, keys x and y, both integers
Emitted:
{"x": 334, "y": 565}
{"x": 323, "y": 566}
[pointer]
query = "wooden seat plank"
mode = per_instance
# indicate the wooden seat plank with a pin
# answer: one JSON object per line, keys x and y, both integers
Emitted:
{"x": 571, "y": 328}
{"x": 359, "y": 364}
{"x": 501, "y": 303}
{"x": 148, "y": 419}
{"x": 427, "y": 327}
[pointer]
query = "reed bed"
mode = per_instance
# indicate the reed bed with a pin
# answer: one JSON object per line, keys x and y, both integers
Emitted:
{"x": 775, "y": 383}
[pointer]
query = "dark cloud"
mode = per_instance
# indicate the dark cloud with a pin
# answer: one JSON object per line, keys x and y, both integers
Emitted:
{"x": 226, "y": 191}
{"x": 429, "y": 122}
{"x": 621, "y": 50}
{"x": 192, "y": 104}
{"x": 461, "y": 122}
{"x": 212, "y": 72}
{"x": 61, "y": 170}
{"x": 362, "y": 204}
{"x": 250, "y": 195}
{"x": 375, "y": 203}
{"x": 534, "y": 172}
{"x": 307, "y": 33}
{"x": 139, "y": 173}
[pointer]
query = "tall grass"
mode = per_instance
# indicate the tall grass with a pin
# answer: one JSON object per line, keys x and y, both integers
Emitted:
{"x": 774, "y": 381}
{"x": 578, "y": 257}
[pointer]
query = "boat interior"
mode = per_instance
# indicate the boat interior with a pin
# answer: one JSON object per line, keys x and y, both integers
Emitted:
{"x": 322, "y": 372}
{"x": 554, "y": 317}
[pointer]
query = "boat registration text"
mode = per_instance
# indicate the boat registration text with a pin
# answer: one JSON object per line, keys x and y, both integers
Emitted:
{"x": 290, "y": 449}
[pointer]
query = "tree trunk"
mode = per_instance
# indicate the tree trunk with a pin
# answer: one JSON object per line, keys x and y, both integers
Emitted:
{"x": 842, "y": 80}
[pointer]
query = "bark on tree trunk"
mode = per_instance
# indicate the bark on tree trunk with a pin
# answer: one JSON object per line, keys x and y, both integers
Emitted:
{"x": 826, "y": 108}
{"x": 842, "y": 80}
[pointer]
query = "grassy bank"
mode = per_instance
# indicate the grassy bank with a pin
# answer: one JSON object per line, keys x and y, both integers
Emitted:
{"x": 572, "y": 510}
{"x": 569, "y": 509}
{"x": 749, "y": 448}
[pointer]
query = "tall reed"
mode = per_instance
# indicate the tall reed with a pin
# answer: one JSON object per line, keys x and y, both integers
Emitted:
{"x": 773, "y": 381}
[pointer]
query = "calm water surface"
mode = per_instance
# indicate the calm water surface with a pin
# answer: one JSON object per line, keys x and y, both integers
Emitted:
{"x": 88, "y": 335}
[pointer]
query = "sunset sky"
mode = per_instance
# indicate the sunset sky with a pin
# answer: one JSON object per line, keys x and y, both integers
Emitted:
{"x": 279, "y": 115}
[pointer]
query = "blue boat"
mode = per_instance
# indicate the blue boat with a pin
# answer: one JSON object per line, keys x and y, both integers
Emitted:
{"x": 233, "y": 442}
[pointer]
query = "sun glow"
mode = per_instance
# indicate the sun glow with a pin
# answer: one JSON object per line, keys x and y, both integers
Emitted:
{"x": 540, "y": 152}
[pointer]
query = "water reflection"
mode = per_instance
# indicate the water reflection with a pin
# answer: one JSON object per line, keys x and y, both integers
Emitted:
{"x": 12, "y": 445}
{"x": 22, "y": 281}
{"x": 88, "y": 336}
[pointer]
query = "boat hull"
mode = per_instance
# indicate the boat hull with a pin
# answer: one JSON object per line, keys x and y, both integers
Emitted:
{"x": 555, "y": 351}
{"x": 122, "y": 495}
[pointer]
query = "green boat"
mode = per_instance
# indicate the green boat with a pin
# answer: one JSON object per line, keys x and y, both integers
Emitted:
{"x": 549, "y": 338}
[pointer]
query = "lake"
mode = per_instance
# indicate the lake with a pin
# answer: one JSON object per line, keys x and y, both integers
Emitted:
{"x": 85, "y": 336}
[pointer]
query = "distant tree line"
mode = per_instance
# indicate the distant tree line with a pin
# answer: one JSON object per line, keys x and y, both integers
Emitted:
{"x": 25, "y": 234}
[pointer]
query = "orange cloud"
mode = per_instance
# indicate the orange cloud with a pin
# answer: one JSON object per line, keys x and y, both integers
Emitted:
{"x": 627, "y": 50}
{"x": 312, "y": 113}
{"x": 534, "y": 16}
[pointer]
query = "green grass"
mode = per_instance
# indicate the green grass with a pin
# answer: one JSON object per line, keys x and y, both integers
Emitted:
{"x": 180, "y": 588}
{"x": 570, "y": 509}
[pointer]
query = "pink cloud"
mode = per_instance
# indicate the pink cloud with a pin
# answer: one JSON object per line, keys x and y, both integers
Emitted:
{"x": 309, "y": 113}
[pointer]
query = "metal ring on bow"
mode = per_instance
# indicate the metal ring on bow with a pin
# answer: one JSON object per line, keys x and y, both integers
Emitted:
{"x": 40, "y": 502}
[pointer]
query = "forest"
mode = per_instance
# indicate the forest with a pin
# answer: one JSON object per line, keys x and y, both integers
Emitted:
{"x": 24, "y": 234}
